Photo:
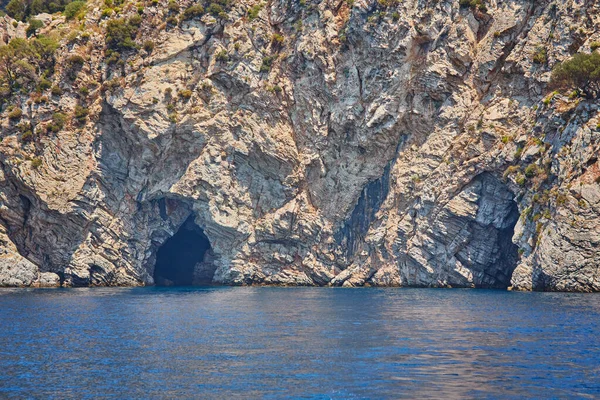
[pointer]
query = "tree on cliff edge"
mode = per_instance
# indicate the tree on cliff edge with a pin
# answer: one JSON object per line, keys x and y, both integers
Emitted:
{"x": 582, "y": 71}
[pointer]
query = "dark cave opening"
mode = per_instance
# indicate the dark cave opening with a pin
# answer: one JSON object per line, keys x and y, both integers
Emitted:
{"x": 179, "y": 261}
{"x": 509, "y": 252}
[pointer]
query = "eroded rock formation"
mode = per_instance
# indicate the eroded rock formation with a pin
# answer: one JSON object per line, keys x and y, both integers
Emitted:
{"x": 414, "y": 144}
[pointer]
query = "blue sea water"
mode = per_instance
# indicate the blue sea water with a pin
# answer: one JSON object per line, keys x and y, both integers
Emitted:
{"x": 247, "y": 342}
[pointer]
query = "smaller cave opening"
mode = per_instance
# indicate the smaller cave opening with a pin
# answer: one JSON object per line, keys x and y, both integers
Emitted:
{"x": 491, "y": 253}
{"x": 184, "y": 259}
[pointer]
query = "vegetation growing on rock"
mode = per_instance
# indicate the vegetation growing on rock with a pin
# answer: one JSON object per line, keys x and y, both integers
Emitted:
{"x": 34, "y": 25}
{"x": 120, "y": 33}
{"x": 473, "y": 4}
{"x": 582, "y": 71}
{"x": 23, "y": 62}
{"x": 22, "y": 9}
{"x": 73, "y": 9}
{"x": 195, "y": 11}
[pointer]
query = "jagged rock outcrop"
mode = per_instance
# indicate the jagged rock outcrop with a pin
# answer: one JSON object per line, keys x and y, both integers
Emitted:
{"x": 316, "y": 143}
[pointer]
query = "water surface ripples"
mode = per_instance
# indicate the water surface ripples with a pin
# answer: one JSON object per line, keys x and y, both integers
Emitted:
{"x": 244, "y": 342}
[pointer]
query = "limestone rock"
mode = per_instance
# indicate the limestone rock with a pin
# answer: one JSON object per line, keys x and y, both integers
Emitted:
{"x": 330, "y": 143}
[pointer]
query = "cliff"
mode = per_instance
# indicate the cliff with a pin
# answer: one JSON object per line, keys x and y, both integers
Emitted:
{"x": 333, "y": 142}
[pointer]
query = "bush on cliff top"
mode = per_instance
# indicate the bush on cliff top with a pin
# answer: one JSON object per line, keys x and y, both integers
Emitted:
{"x": 23, "y": 9}
{"x": 73, "y": 9}
{"x": 22, "y": 62}
{"x": 582, "y": 71}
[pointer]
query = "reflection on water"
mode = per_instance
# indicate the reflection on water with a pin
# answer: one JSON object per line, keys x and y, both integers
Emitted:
{"x": 297, "y": 342}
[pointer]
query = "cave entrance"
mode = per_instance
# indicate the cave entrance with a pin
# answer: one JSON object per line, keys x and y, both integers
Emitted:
{"x": 184, "y": 259}
{"x": 491, "y": 253}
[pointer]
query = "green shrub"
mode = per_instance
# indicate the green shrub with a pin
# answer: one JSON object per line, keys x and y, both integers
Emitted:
{"x": 277, "y": 40}
{"x": 385, "y": 3}
{"x": 111, "y": 56}
{"x": 44, "y": 84}
{"x": 24, "y": 127}
{"x": 27, "y": 136}
{"x": 16, "y": 9}
{"x": 193, "y": 12}
{"x": 222, "y": 56}
{"x": 45, "y": 47}
{"x": 473, "y": 4}
{"x": 594, "y": 46}
{"x": 73, "y": 65}
{"x": 73, "y": 9}
{"x": 112, "y": 84}
{"x": 540, "y": 55}
{"x": 57, "y": 123}
{"x": 254, "y": 11}
{"x": 215, "y": 9}
{"x": 574, "y": 94}
{"x": 23, "y": 9}
{"x": 509, "y": 171}
{"x": 582, "y": 71}
{"x": 21, "y": 63}
{"x": 34, "y": 25}
{"x": 531, "y": 170}
{"x": 548, "y": 99}
{"x": 15, "y": 114}
{"x": 36, "y": 162}
{"x": 267, "y": 63}
{"x": 148, "y": 46}
{"x": 135, "y": 21}
{"x": 80, "y": 113}
{"x": 52, "y": 127}
{"x": 75, "y": 60}
{"x": 173, "y": 7}
{"x": 121, "y": 32}
{"x": 185, "y": 94}
{"x": 72, "y": 37}
{"x": 56, "y": 91}
{"x": 519, "y": 152}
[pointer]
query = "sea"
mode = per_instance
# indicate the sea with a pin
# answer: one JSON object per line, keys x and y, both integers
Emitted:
{"x": 297, "y": 343}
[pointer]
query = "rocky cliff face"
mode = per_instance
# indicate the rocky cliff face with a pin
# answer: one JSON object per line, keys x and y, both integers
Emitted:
{"x": 328, "y": 142}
